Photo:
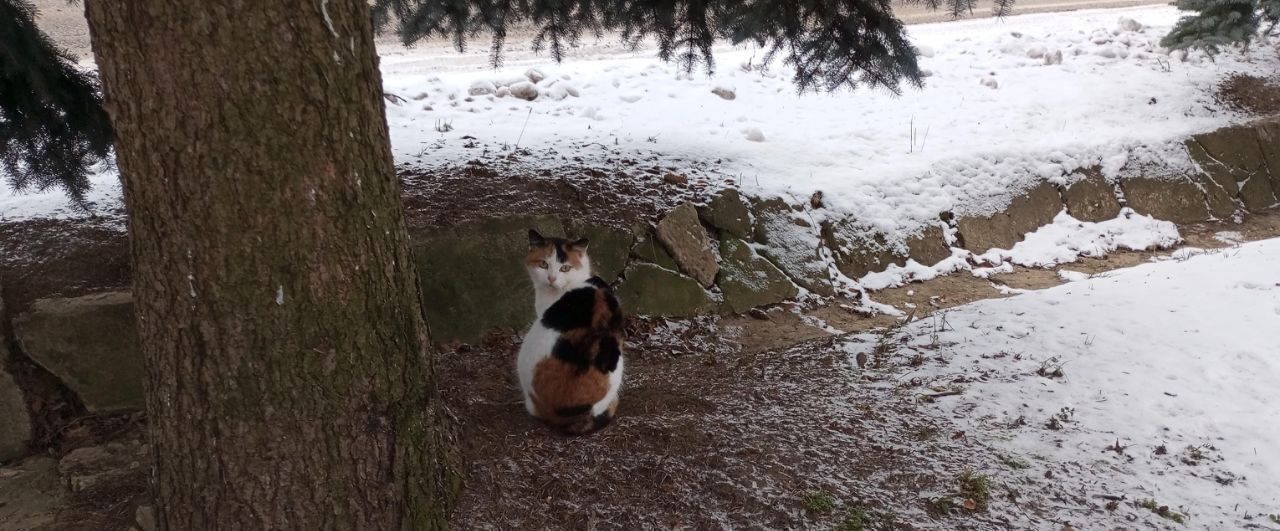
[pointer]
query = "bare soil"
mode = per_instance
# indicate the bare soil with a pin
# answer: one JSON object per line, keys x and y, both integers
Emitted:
{"x": 1250, "y": 94}
{"x": 60, "y": 257}
{"x": 709, "y": 436}
{"x": 497, "y": 185}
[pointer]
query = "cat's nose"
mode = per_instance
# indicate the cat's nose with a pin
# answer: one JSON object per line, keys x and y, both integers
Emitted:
{"x": 551, "y": 279}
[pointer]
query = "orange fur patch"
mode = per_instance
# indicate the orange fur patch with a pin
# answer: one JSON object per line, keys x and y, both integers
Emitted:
{"x": 538, "y": 254}
{"x": 575, "y": 256}
{"x": 557, "y": 384}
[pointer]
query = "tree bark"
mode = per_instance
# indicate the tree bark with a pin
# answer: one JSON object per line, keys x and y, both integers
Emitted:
{"x": 290, "y": 384}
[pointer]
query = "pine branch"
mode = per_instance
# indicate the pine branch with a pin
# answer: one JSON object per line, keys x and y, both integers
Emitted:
{"x": 53, "y": 128}
{"x": 832, "y": 44}
{"x": 1219, "y": 23}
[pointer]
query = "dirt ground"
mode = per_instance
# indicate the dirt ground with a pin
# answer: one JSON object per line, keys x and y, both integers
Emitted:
{"x": 1250, "y": 94}
{"x": 710, "y": 436}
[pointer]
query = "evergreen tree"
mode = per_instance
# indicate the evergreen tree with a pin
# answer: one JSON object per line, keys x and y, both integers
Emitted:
{"x": 52, "y": 125}
{"x": 1218, "y": 23}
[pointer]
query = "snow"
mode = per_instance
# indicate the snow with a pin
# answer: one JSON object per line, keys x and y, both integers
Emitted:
{"x": 1067, "y": 239}
{"x": 1177, "y": 361}
{"x": 1062, "y": 91}
{"x": 1064, "y": 240}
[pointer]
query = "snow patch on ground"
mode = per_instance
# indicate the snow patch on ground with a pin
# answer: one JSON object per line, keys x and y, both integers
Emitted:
{"x": 1063, "y": 241}
{"x": 1152, "y": 383}
{"x": 1067, "y": 239}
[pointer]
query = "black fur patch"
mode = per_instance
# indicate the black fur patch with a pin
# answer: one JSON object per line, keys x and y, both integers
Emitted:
{"x": 601, "y": 421}
{"x": 572, "y": 411}
{"x": 576, "y": 355}
{"x": 535, "y": 239}
{"x": 598, "y": 282}
{"x": 573, "y": 310}
{"x": 561, "y": 254}
{"x": 607, "y": 358}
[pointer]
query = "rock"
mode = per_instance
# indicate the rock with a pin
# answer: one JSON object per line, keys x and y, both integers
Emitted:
{"x": 686, "y": 240}
{"x": 535, "y": 75}
{"x": 647, "y": 248}
{"x": 1128, "y": 24}
{"x": 91, "y": 344}
{"x": 748, "y": 280}
{"x": 31, "y": 495}
{"x": 989, "y": 82}
{"x": 1176, "y": 199}
{"x": 1053, "y": 58}
{"x": 860, "y": 250}
{"x": 1232, "y": 158}
{"x": 1221, "y": 199}
{"x": 501, "y": 93}
{"x": 792, "y": 243}
{"x": 524, "y": 90}
{"x": 728, "y": 212}
{"x": 481, "y": 88}
{"x": 559, "y": 90}
{"x": 753, "y": 134}
{"x": 675, "y": 178}
{"x": 725, "y": 93}
{"x": 651, "y": 290}
{"x": 1269, "y": 142}
{"x": 608, "y": 249}
{"x": 929, "y": 246}
{"x": 816, "y": 200}
{"x": 473, "y": 276}
{"x": 104, "y": 466}
{"x": 1027, "y": 212}
{"x": 15, "y": 422}
{"x": 1091, "y": 198}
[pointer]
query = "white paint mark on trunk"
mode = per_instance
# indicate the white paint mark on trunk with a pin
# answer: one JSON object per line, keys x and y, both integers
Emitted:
{"x": 279, "y": 295}
{"x": 324, "y": 10}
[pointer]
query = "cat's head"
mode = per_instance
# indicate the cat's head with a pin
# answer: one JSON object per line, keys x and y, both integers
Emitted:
{"x": 557, "y": 262}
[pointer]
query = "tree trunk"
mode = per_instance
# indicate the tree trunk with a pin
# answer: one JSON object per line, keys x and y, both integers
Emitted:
{"x": 288, "y": 374}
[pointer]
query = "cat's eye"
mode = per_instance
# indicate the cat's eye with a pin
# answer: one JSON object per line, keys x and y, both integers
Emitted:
{"x": 565, "y": 268}
{"x": 542, "y": 264}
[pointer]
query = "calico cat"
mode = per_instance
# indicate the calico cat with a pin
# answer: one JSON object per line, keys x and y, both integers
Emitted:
{"x": 570, "y": 363}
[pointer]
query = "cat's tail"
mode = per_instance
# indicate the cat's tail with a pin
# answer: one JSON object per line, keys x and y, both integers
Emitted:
{"x": 578, "y": 420}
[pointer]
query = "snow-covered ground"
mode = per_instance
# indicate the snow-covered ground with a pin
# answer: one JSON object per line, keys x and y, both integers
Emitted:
{"x": 1008, "y": 103}
{"x": 1157, "y": 383}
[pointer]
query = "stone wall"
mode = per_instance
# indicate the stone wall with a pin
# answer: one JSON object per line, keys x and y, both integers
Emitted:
{"x": 729, "y": 255}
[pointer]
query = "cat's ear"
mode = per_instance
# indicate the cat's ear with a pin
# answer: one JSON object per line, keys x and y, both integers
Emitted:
{"x": 535, "y": 239}
{"x": 580, "y": 244}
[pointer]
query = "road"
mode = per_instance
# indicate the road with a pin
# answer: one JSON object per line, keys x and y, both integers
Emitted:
{"x": 65, "y": 23}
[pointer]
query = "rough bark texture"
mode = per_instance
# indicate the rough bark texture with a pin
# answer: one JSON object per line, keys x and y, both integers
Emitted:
{"x": 288, "y": 378}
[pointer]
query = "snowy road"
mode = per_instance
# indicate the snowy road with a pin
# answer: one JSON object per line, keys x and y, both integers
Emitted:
{"x": 65, "y": 22}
